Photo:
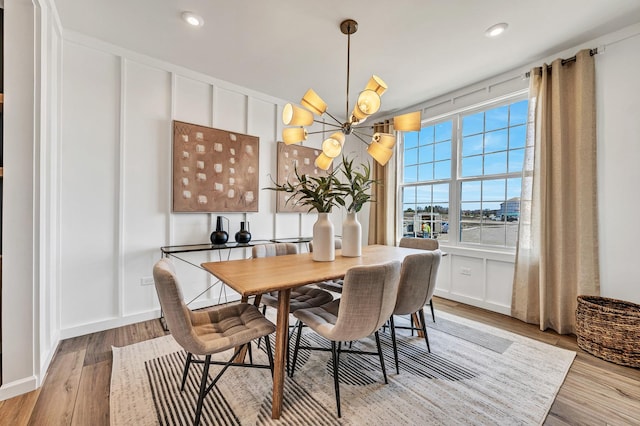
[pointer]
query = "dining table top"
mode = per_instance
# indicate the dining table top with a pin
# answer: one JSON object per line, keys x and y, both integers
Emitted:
{"x": 261, "y": 275}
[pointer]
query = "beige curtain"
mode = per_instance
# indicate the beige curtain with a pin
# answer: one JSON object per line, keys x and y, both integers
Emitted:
{"x": 557, "y": 253}
{"x": 378, "y": 213}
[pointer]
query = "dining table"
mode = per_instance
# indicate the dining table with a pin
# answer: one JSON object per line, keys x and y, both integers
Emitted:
{"x": 256, "y": 276}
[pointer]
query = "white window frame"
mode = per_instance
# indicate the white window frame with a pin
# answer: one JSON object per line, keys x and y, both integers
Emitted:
{"x": 455, "y": 182}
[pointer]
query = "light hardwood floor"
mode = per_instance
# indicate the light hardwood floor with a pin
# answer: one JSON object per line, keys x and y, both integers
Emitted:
{"x": 76, "y": 391}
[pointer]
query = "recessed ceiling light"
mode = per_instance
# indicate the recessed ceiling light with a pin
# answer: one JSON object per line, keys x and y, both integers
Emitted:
{"x": 193, "y": 19}
{"x": 496, "y": 30}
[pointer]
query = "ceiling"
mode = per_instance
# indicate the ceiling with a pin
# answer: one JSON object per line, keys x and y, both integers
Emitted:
{"x": 421, "y": 48}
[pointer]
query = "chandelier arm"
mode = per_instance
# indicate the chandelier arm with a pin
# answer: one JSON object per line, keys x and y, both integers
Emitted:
{"x": 363, "y": 141}
{"x": 336, "y": 120}
{"x": 358, "y": 132}
{"x": 319, "y": 131}
{"x": 326, "y": 124}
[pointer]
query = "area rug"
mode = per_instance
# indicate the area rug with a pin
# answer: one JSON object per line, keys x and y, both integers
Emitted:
{"x": 475, "y": 374}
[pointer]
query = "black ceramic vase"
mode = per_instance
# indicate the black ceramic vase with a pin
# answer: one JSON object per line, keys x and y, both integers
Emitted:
{"x": 219, "y": 236}
{"x": 243, "y": 236}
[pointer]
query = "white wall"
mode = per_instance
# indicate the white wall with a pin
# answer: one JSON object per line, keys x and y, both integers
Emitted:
{"x": 116, "y": 167}
{"x": 30, "y": 315}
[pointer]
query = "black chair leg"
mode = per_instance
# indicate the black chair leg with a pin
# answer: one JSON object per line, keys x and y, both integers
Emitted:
{"x": 203, "y": 389}
{"x": 433, "y": 314}
{"x": 424, "y": 329}
{"x": 264, "y": 312}
{"x": 384, "y": 371}
{"x": 250, "y": 353}
{"x": 336, "y": 381}
{"x": 295, "y": 350}
{"x": 185, "y": 373}
{"x": 395, "y": 346}
{"x": 267, "y": 344}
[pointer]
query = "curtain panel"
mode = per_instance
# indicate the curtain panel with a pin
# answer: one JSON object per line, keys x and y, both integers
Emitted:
{"x": 557, "y": 251}
{"x": 381, "y": 227}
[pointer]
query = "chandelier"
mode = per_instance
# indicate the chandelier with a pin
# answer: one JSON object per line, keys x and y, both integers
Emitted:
{"x": 381, "y": 145}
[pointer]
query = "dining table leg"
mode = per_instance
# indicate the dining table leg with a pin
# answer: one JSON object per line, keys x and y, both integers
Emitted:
{"x": 279, "y": 366}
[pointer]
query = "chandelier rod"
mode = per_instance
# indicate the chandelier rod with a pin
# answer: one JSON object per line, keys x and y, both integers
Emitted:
{"x": 348, "y": 27}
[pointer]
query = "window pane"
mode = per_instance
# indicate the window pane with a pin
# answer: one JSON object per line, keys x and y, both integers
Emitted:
{"x": 426, "y": 135}
{"x": 410, "y": 156}
{"x": 495, "y": 141}
{"x": 517, "y": 137}
{"x": 411, "y": 174}
{"x": 518, "y": 112}
{"x": 493, "y": 190}
{"x": 516, "y": 160}
{"x": 514, "y": 188}
{"x": 441, "y": 194}
{"x": 425, "y": 153}
{"x": 410, "y": 140}
{"x": 472, "y": 166}
{"x": 495, "y": 163}
{"x": 423, "y": 195}
{"x": 472, "y": 124}
{"x": 443, "y": 151}
{"x": 442, "y": 170}
{"x": 425, "y": 172}
{"x": 443, "y": 131}
{"x": 497, "y": 118}
{"x": 472, "y": 145}
{"x": 470, "y": 191}
{"x": 409, "y": 195}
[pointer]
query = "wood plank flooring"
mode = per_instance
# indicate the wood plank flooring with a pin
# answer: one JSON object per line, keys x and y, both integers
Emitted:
{"x": 76, "y": 391}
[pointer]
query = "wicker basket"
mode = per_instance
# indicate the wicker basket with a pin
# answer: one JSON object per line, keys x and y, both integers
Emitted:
{"x": 609, "y": 329}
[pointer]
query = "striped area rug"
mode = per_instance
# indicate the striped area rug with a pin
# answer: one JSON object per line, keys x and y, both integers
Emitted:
{"x": 475, "y": 374}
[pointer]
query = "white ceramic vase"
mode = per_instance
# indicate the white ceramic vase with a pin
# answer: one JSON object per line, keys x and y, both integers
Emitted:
{"x": 351, "y": 236}
{"x": 323, "y": 240}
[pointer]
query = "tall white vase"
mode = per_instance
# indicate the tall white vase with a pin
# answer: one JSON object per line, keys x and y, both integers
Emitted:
{"x": 323, "y": 240}
{"x": 351, "y": 236}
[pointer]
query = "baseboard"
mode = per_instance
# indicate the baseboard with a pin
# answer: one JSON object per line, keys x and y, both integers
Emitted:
{"x": 17, "y": 387}
{"x": 110, "y": 323}
{"x": 489, "y": 306}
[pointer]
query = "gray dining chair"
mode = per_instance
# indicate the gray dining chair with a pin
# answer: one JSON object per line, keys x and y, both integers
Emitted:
{"x": 368, "y": 299}
{"x": 415, "y": 289}
{"x": 210, "y": 331}
{"x": 305, "y": 296}
{"x": 422, "y": 244}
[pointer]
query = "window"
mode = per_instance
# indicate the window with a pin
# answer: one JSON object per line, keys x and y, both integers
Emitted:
{"x": 461, "y": 176}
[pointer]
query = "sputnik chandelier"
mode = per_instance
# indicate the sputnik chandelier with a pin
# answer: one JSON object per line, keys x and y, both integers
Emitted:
{"x": 368, "y": 103}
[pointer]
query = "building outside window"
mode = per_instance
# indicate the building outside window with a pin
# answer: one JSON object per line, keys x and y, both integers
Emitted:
{"x": 461, "y": 176}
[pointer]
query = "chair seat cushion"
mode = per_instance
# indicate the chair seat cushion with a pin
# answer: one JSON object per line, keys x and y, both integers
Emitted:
{"x": 226, "y": 327}
{"x": 301, "y": 298}
{"x": 331, "y": 285}
{"x": 321, "y": 319}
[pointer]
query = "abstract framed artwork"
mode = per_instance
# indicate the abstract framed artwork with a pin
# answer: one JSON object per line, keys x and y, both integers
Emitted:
{"x": 214, "y": 170}
{"x": 290, "y": 157}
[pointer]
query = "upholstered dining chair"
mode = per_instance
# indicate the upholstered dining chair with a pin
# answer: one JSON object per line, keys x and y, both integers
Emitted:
{"x": 305, "y": 296}
{"x": 368, "y": 299}
{"x": 422, "y": 244}
{"x": 415, "y": 289}
{"x": 208, "y": 332}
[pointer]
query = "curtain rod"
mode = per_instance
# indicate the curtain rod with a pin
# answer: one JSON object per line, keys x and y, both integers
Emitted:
{"x": 567, "y": 61}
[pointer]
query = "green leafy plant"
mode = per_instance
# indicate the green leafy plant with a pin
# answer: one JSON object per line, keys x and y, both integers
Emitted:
{"x": 358, "y": 185}
{"x": 318, "y": 193}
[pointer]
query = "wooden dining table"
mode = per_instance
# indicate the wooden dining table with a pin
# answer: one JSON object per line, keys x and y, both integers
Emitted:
{"x": 253, "y": 277}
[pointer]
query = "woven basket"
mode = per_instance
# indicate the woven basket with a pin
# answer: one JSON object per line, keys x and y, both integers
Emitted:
{"x": 609, "y": 329}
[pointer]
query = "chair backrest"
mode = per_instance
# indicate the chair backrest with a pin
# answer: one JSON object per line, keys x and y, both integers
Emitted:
{"x": 337, "y": 244}
{"x": 417, "y": 281}
{"x": 176, "y": 313}
{"x": 274, "y": 249}
{"x": 419, "y": 243}
{"x": 368, "y": 299}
